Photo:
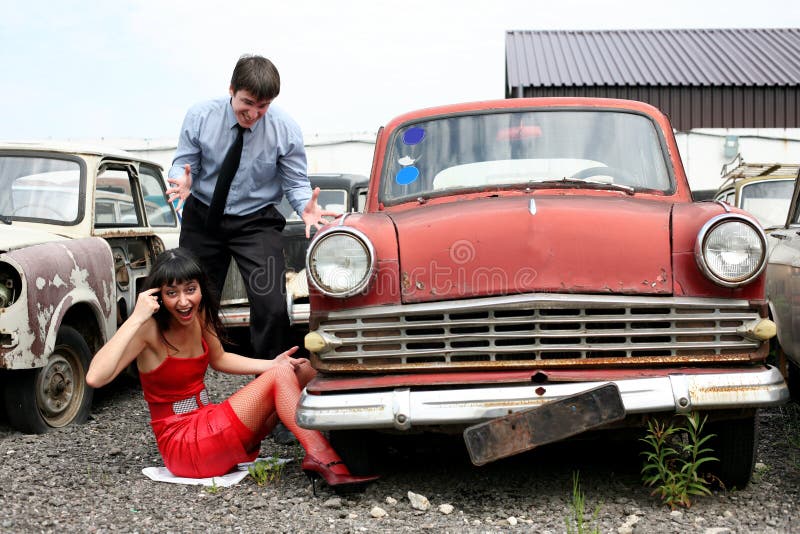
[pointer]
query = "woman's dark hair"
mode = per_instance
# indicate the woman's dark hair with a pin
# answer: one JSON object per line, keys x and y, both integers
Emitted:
{"x": 177, "y": 266}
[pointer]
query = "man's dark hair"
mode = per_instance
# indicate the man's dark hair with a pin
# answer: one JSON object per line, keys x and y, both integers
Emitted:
{"x": 258, "y": 76}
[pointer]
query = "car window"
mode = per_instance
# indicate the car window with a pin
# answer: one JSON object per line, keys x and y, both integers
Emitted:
{"x": 158, "y": 210}
{"x": 329, "y": 199}
{"x": 724, "y": 196}
{"x": 361, "y": 199}
{"x": 768, "y": 201}
{"x": 40, "y": 189}
{"x": 517, "y": 148}
{"x": 114, "y": 204}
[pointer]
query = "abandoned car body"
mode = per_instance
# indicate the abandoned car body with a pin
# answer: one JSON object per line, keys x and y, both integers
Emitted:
{"x": 762, "y": 189}
{"x": 783, "y": 289}
{"x": 514, "y": 254}
{"x": 80, "y": 228}
{"x": 339, "y": 193}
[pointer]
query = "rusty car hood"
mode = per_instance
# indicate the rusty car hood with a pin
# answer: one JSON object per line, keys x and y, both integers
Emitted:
{"x": 534, "y": 243}
{"x": 14, "y": 236}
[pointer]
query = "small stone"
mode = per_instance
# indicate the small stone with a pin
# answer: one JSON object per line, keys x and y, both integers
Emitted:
{"x": 10, "y": 451}
{"x": 676, "y": 514}
{"x": 717, "y": 530}
{"x": 391, "y": 501}
{"x": 625, "y": 529}
{"x": 418, "y": 502}
{"x": 446, "y": 509}
{"x": 352, "y": 515}
{"x": 333, "y": 502}
{"x": 760, "y": 466}
{"x": 727, "y": 513}
{"x": 377, "y": 512}
{"x": 512, "y": 521}
{"x": 632, "y": 519}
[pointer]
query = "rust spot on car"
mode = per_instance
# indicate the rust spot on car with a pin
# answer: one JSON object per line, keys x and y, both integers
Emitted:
{"x": 406, "y": 281}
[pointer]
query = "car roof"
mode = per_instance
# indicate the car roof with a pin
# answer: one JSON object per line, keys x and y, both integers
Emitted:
{"x": 514, "y": 104}
{"x": 333, "y": 180}
{"x": 747, "y": 173}
{"x": 68, "y": 147}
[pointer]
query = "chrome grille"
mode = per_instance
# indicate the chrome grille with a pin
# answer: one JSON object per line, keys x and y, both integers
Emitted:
{"x": 538, "y": 327}
{"x": 234, "y": 291}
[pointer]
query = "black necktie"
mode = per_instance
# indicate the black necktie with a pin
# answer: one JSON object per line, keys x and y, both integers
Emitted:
{"x": 226, "y": 172}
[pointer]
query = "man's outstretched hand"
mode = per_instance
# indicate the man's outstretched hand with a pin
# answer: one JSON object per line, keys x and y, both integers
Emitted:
{"x": 181, "y": 187}
{"x": 313, "y": 214}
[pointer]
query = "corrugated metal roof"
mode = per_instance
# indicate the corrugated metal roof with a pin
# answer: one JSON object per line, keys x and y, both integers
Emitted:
{"x": 710, "y": 57}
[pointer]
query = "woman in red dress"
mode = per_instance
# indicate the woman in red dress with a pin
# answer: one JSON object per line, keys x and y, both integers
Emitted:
{"x": 172, "y": 335}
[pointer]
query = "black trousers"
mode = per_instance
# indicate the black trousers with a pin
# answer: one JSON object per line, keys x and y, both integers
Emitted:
{"x": 254, "y": 241}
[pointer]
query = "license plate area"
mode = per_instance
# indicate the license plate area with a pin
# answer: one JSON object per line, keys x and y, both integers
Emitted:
{"x": 548, "y": 423}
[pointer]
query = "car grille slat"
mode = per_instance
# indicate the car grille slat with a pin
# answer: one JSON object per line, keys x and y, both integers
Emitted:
{"x": 539, "y": 327}
{"x": 545, "y": 334}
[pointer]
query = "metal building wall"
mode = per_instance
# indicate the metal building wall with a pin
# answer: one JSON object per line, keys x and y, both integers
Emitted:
{"x": 701, "y": 107}
{"x": 705, "y": 78}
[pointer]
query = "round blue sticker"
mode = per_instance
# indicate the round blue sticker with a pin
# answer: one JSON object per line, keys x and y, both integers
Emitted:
{"x": 414, "y": 135}
{"x": 407, "y": 175}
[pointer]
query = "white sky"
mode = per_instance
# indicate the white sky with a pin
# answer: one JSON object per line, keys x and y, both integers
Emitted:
{"x": 131, "y": 68}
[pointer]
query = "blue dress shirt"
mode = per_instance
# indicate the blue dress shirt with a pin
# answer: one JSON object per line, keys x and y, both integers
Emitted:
{"x": 273, "y": 157}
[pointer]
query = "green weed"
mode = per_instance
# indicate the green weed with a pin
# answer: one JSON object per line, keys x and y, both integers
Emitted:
{"x": 673, "y": 460}
{"x": 266, "y": 471}
{"x": 575, "y": 522}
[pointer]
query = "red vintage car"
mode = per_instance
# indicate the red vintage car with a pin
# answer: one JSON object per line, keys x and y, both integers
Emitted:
{"x": 527, "y": 270}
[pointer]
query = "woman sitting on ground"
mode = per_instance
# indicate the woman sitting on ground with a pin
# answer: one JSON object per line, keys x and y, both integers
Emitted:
{"x": 172, "y": 335}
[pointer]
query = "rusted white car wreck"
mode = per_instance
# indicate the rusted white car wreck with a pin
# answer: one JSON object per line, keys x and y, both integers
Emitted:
{"x": 540, "y": 258}
{"x": 79, "y": 228}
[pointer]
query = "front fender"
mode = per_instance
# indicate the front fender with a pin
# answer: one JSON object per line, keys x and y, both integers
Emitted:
{"x": 55, "y": 277}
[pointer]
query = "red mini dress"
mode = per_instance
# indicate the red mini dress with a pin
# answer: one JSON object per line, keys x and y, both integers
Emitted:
{"x": 196, "y": 439}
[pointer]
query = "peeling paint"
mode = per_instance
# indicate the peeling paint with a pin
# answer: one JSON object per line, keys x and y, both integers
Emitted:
{"x": 58, "y": 282}
{"x": 40, "y": 283}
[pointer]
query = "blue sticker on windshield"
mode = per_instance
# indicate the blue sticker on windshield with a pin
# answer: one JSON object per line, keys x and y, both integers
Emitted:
{"x": 407, "y": 175}
{"x": 414, "y": 135}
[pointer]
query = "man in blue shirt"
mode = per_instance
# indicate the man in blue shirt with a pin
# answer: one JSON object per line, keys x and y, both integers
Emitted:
{"x": 272, "y": 164}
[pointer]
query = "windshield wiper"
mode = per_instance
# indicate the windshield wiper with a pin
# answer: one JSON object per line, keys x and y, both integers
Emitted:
{"x": 5, "y": 219}
{"x": 574, "y": 183}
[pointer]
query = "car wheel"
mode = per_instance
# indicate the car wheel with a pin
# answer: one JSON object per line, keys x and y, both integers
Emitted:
{"x": 53, "y": 396}
{"x": 361, "y": 450}
{"x": 793, "y": 380}
{"x": 734, "y": 445}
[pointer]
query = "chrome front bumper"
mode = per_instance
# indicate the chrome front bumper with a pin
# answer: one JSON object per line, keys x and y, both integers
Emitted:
{"x": 240, "y": 315}
{"x": 403, "y": 408}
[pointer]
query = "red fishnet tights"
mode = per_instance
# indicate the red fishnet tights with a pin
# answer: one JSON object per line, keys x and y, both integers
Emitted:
{"x": 276, "y": 392}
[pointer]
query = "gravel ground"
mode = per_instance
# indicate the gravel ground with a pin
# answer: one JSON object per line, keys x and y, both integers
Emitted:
{"x": 88, "y": 479}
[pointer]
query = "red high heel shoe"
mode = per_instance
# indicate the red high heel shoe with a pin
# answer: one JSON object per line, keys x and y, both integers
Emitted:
{"x": 348, "y": 483}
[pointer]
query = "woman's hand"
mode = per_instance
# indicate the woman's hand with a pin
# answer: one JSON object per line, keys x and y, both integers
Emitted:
{"x": 285, "y": 358}
{"x": 147, "y": 304}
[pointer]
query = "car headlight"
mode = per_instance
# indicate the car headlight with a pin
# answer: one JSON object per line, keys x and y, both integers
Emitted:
{"x": 731, "y": 250}
{"x": 340, "y": 262}
{"x": 10, "y": 284}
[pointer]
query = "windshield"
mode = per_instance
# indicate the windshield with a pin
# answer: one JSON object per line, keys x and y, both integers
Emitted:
{"x": 768, "y": 201}
{"x": 491, "y": 150}
{"x": 39, "y": 189}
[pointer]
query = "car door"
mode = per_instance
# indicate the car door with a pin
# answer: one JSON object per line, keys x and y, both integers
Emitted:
{"x": 132, "y": 214}
{"x": 783, "y": 279}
